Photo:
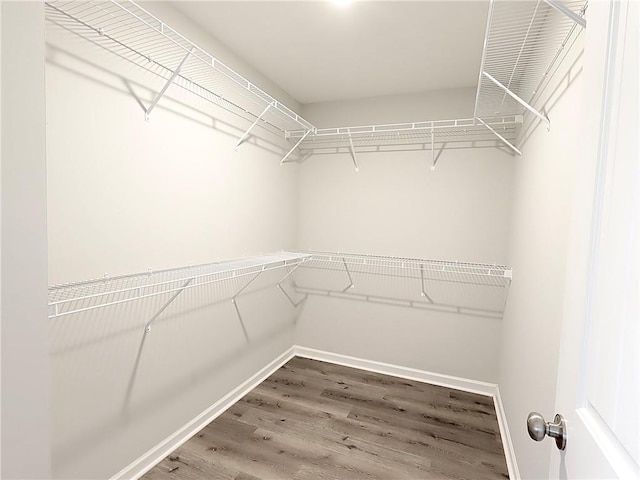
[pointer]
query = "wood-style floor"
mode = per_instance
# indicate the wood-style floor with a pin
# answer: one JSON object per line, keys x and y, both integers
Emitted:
{"x": 314, "y": 420}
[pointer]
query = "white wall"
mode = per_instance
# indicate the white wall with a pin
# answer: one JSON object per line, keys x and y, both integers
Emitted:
{"x": 25, "y": 423}
{"x": 434, "y": 105}
{"x": 395, "y": 205}
{"x": 125, "y": 195}
{"x": 173, "y": 184}
{"x": 542, "y": 198}
{"x": 182, "y": 196}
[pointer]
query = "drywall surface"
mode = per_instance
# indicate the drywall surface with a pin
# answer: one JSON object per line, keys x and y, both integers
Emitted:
{"x": 543, "y": 195}
{"x": 25, "y": 439}
{"x": 126, "y": 195}
{"x": 433, "y": 105}
{"x": 451, "y": 344}
{"x": 395, "y": 205}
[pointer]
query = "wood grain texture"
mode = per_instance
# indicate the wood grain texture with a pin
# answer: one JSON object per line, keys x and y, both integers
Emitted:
{"x": 315, "y": 420}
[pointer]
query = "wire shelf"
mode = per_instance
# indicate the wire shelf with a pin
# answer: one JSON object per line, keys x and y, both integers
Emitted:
{"x": 130, "y": 31}
{"x": 454, "y": 287}
{"x": 83, "y": 296}
{"x": 524, "y": 42}
{"x": 416, "y": 133}
{"x": 80, "y": 297}
{"x": 336, "y": 260}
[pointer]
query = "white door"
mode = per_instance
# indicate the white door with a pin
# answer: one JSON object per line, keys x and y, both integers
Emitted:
{"x": 598, "y": 389}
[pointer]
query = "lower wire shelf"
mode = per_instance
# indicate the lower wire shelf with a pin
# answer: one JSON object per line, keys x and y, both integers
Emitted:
{"x": 84, "y": 296}
{"x": 460, "y": 287}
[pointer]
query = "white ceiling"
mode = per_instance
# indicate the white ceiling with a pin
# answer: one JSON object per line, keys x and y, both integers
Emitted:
{"x": 318, "y": 51}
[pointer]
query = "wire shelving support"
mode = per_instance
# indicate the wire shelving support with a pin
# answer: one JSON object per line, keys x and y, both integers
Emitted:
{"x": 176, "y": 72}
{"x": 284, "y": 292}
{"x": 255, "y": 122}
{"x": 504, "y": 140}
{"x": 524, "y": 41}
{"x": 284, "y": 159}
{"x": 130, "y": 31}
{"x": 353, "y": 153}
{"x": 423, "y": 292}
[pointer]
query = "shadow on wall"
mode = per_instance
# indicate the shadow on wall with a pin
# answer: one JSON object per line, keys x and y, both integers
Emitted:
{"x": 71, "y": 51}
{"x": 119, "y": 388}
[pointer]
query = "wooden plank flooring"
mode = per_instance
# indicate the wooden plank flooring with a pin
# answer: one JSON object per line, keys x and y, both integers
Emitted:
{"x": 314, "y": 420}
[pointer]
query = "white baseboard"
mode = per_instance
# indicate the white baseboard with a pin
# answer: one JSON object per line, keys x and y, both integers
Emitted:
{"x": 465, "y": 384}
{"x": 507, "y": 445}
{"x": 155, "y": 455}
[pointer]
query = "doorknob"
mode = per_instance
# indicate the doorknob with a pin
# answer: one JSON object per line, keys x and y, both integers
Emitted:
{"x": 538, "y": 428}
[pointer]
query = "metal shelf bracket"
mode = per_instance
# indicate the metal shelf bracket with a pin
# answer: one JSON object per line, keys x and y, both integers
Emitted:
{"x": 353, "y": 153}
{"x": 246, "y": 134}
{"x": 507, "y": 142}
{"x": 565, "y": 11}
{"x": 235, "y": 304}
{"x": 281, "y": 288}
{"x": 351, "y": 285}
{"x": 306, "y": 133}
{"x": 424, "y": 292}
{"x": 541, "y": 116}
{"x": 433, "y": 149}
{"x": 147, "y": 327}
{"x": 176, "y": 72}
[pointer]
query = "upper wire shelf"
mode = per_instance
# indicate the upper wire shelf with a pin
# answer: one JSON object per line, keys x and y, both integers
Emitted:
{"x": 83, "y": 296}
{"x": 129, "y": 30}
{"x": 524, "y": 42}
{"x": 415, "y": 133}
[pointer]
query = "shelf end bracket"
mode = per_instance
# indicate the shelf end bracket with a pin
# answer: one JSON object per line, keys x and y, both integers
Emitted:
{"x": 541, "y": 116}
{"x": 504, "y": 140}
{"x": 424, "y": 291}
{"x": 434, "y": 160}
{"x": 246, "y": 134}
{"x": 147, "y": 327}
{"x": 282, "y": 162}
{"x": 353, "y": 153}
{"x": 176, "y": 72}
{"x": 568, "y": 12}
{"x": 351, "y": 285}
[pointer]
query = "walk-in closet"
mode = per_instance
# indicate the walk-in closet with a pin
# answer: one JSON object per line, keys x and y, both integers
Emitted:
{"x": 320, "y": 239}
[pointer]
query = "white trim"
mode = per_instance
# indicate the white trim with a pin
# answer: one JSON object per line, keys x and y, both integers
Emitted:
{"x": 155, "y": 455}
{"x": 459, "y": 383}
{"x": 507, "y": 445}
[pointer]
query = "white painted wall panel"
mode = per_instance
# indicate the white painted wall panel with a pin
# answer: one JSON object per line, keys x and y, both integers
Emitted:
{"x": 395, "y": 205}
{"x": 543, "y": 195}
{"x": 25, "y": 399}
{"x": 125, "y": 195}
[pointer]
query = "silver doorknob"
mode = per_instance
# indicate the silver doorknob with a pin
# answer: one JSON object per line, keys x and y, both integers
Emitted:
{"x": 538, "y": 429}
